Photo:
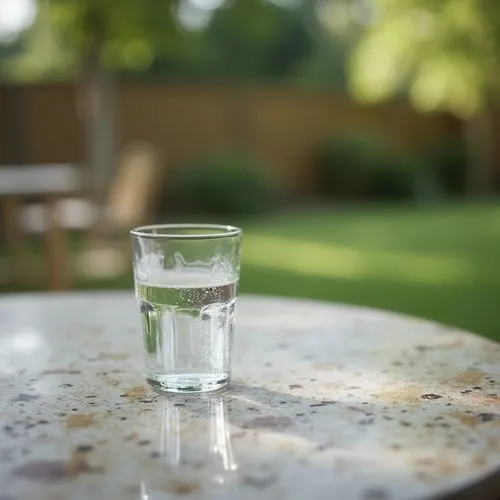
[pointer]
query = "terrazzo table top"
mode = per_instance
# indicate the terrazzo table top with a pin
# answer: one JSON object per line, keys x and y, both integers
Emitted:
{"x": 328, "y": 402}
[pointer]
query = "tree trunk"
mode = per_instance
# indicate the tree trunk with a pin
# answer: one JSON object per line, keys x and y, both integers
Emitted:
{"x": 98, "y": 93}
{"x": 479, "y": 141}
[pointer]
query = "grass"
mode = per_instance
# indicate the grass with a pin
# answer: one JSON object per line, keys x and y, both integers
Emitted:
{"x": 438, "y": 262}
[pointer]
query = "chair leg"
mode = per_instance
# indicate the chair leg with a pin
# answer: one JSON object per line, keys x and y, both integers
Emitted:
{"x": 56, "y": 248}
{"x": 15, "y": 238}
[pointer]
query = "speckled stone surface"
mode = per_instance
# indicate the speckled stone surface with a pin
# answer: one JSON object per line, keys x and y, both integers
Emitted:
{"x": 327, "y": 402}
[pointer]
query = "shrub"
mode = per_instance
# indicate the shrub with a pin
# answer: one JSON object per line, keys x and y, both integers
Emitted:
{"x": 398, "y": 175}
{"x": 359, "y": 165}
{"x": 231, "y": 183}
{"x": 447, "y": 162}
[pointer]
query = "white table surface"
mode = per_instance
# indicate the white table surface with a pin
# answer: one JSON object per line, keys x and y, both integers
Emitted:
{"x": 42, "y": 179}
{"x": 328, "y": 401}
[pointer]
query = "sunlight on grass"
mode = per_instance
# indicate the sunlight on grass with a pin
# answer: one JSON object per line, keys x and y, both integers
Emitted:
{"x": 336, "y": 261}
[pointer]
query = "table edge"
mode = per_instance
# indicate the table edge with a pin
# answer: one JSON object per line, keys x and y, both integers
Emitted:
{"x": 317, "y": 302}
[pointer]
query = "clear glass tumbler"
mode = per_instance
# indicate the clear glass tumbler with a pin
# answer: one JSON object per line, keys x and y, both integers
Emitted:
{"x": 186, "y": 282}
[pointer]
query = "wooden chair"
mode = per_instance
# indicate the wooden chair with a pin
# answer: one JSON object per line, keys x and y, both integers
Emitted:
{"x": 132, "y": 196}
{"x": 47, "y": 184}
{"x": 131, "y": 200}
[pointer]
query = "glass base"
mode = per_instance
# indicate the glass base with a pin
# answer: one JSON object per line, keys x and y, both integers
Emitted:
{"x": 189, "y": 383}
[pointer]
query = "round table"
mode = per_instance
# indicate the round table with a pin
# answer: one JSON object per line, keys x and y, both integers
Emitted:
{"x": 328, "y": 401}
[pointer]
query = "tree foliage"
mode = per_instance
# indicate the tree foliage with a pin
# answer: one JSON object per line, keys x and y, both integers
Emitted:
{"x": 244, "y": 40}
{"x": 38, "y": 53}
{"x": 233, "y": 39}
{"x": 444, "y": 54}
{"x": 127, "y": 32}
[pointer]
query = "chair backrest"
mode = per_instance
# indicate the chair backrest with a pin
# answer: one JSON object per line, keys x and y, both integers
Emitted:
{"x": 136, "y": 187}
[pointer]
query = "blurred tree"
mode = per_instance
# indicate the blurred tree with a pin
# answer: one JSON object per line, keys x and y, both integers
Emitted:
{"x": 265, "y": 40}
{"x": 230, "y": 39}
{"x": 37, "y": 53}
{"x": 445, "y": 55}
{"x": 333, "y": 30}
{"x": 108, "y": 34}
{"x": 9, "y": 51}
{"x": 242, "y": 41}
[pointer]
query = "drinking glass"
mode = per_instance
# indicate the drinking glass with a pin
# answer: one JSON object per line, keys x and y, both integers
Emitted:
{"x": 186, "y": 282}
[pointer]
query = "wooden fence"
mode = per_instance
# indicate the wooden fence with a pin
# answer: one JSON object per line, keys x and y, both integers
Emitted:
{"x": 284, "y": 125}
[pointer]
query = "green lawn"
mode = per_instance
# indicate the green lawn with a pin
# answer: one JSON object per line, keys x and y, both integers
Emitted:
{"x": 438, "y": 262}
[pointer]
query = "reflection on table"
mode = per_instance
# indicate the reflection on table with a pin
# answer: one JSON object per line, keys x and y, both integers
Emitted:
{"x": 193, "y": 441}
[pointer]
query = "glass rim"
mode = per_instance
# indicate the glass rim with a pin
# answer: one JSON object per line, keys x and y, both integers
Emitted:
{"x": 168, "y": 231}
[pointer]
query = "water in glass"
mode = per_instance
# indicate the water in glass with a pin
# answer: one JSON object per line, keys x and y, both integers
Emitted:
{"x": 188, "y": 322}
